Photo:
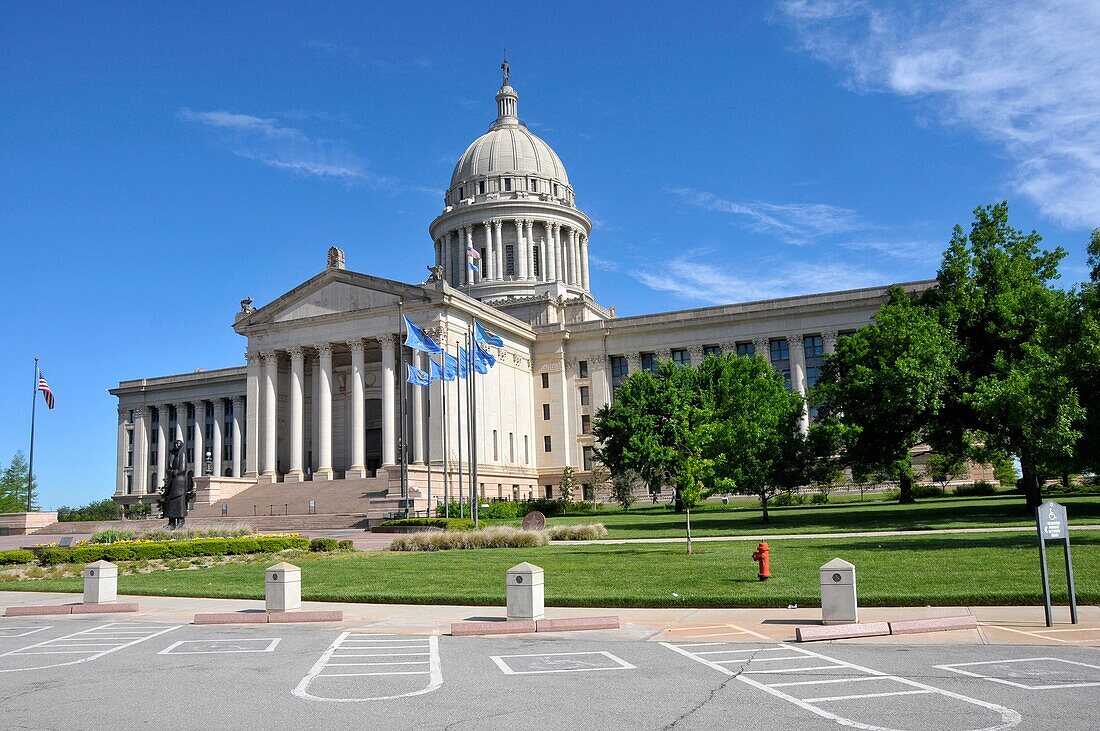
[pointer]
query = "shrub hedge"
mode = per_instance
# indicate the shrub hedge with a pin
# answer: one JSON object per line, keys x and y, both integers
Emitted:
{"x": 16, "y": 556}
{"x": 494, "y": 537}
{"x": 170, "y": 549}
{"x": 444, "y": 523}
{"x": 975, "y": 489}
{"x": 324, "y": 545}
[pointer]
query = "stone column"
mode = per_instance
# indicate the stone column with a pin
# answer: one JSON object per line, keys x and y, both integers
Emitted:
{"x": 487, "y": 269}
{"x": 162, "y": 443}
{"x": 314, "y": 410}
{"x": 467, "y": 242}
{"x": 388, "y": 413}
{"x": 438, "y": 252}
{"x": 199, "y": 443}
{"x": 270, "y": 412}
{"x": 828, "y": 340}
{"x": 216, "y": 446}
{"x": 238, "y": 411}
{"x": 584, "y": 263}
{"x": 123, "y": 449}
{"x": 696, "y": 353}
{"x": 417, "y": 407}
{"x": 798, "y": 374}
{"x": 633, "y": 363}
{"x": 141, "y": 450}
{"x": 252, "y": 419}
{"x": 297, "y": 396}
{"x": 569, "y": 429}
{"x": 600, "y": 392}
{"x": 448, "y": 259}
{"x": 762, "y": 348}
{"x": 528, "y": 252}
{"x": 180, "y": 433}
{"x": 498, "y": 249}
{"x": 574, "y": 266}
{"x": 521, "y": 255}
{"x": 559, "y": 260}
{"x": 357, "y": 425}
{"x": 324, "y": 430}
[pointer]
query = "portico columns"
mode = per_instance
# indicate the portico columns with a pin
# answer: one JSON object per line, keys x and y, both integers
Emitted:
{"x": 600, "y": 394}
{"x": 418, "y": 413}
{"x": 467, "y": 244}
{"x": 252, "y": 419}
{"x": 314, "y": 411}
{"x": 198, "y": 452}
{"x": 521, "y": 252}
{"x": 798, "y": 375}
{"x": 297, "y": 386}
{"x": 559, "y": 260}
{"x": 528, "y": 252}
{"x": 828, "y": 340}
{"x": 584, "y": 262}
{"x": 238, "y": 412}
{"x": 143, "y": 419}
{"x": 324, "y": 448}
{"x": 574, "y": 268}
{"x": 388, "y": 413}
{"x": 550, "y": 261}
{"x": 180, "y": 433}
{"x": 120, "y": 473}
{"x": 358, "y": 466}
{"x": 270, "y": 409}
{"x": 487, "y": 269}
{"x": 216, "y": 441}
{"x": 498, "y": 250}
{"x": 162, "y": 443}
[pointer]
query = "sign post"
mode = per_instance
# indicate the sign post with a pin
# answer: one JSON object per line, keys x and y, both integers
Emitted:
{"x": 1053, "y": 525}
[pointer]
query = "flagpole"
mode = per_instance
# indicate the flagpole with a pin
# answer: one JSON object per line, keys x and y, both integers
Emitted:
{"x": 30, "y": 463}
{"x": 446, "y": 453}
{"x": 472, "y": 404}
{"x": 458, "y": 398}
{"x": 403, "y": 380}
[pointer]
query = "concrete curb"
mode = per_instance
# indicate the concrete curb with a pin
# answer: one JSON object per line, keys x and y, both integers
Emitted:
{"x": 527, "y": 626}
{"x": 579, "y": 623}
{"x": 940, "y": 624}
{"x": 879, "y": 629}
{"x": 267, "y": 617}
{"x": 37, "y": 611}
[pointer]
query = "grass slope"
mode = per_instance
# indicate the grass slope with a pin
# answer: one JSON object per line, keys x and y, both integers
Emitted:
{"x": 898, "y": 571}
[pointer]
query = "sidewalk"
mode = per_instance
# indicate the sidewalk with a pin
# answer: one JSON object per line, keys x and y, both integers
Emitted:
{"x": 997, "y": 625}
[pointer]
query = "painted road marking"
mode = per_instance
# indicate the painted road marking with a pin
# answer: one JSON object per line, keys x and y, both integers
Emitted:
{"x": 858, "y": 674}
{"x": 222, "y": 647}
{"x": 92, "y": 643}
{"x": 727, "y": 630}
{"x": 1044, "y": 634}
{"x": 956, "y": 668}
{"x": 17, "y": 631}
{"x": 560, "y": 662}
{"x": 341, "y": 664}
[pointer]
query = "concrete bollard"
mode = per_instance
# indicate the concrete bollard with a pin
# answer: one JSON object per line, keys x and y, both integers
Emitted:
{"x": 838, "y": 593}
{"x": 283, "y": 587}
{"x": 100, "y": 583}
{"x": 525, "y": 592}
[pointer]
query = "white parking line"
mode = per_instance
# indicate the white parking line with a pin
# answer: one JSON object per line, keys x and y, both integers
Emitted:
{"x": 955, "y": 668}
{"x": 354, "y": 641}
{"x": 505, "y": 668}
{"x": 12, "y": 631}
{"x": 237, "y": 646}
{"x": 93, "y": 650}
{"x": 1008, "y": 717}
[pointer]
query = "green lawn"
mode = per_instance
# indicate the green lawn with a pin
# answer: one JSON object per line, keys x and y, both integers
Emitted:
{"x": 892, "y": 571}
{"x": 711, "y": 519}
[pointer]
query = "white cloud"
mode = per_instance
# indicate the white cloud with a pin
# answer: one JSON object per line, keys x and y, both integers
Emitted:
{"x": 1024, "y": 74}
{"x": 922, "y": 251}
{"x": 692, "y": 278}
{"x": 794, "y": 223}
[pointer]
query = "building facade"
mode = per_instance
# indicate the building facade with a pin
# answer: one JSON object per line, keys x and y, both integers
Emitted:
{"x": 315, "y": 409}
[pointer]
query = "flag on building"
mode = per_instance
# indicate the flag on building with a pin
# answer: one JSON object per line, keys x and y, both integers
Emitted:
{"x": 473, "y": 267}
{"x": 462, "y": 363}
{"x": 44, "y": 387}
{"x": 416, "y": 339}
{"x": 484, "y": 337}
{"x": 448, "y": 369}
{"x": 472, "y": 253}
{"x": 418, "y": 377}
{"x": 483, "y": 359}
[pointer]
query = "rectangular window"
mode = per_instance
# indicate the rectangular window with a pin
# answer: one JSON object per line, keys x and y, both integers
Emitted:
{"x": 546, "y": 445}
{"x": 618, "y": 371}
{"x": 815, "y": 358}
{"x": 129, "y": 484}
{"x": 496, "y": 447}
{"x": 526, "y": 451}
{"x": 781, "y": 358}
{"x": 131, "y": 416}
{"x": 549, "y": 492}
{"x": 461, "y": 193}
{"x": 507, "y": 183}
{"x": 481, "y": 265}
{"x": 844, "y": 334}
{"x": 130, "y": 458}
{"x": 511, "y": 447}
{"x": 587, "y": 492}
{"x": 546, "y": 412}
{"x": 649, "y": 362}
{"x": 585, "y": 398}
{"x": 712, "y": 350}
{"x": 582, "y": 369}
{"x": 209, "y": 432}
{"x": 510, "y": 260}
{"x": 153, "y": 458}
{"x": 190, "y": 432}
{"x": 536, "y": 261}
{"x": 746, "y": 349}
{"x": 587, "y": 458}
{"x": 557, "y": 190}
{"x": 546, "y": 380}
{"x": 681, "y": 357}
{"x": 586, "y": 424}
{"x": 534, "y": 186}
{"x": 190, "y": 455}
{"x": 481, "y": 187}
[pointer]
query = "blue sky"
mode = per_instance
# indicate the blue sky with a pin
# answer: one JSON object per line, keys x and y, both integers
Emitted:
{"x": 160, "y": 162}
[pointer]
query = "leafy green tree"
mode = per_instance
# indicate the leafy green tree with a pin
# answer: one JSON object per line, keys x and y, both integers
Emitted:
{"x": 623, "y": 486}
{"x": 1084, "y": 361}
{"x": 1011, "y": 391}
{"x": 1004, "y": 471}
{"x": 752, "y": 443}
{"x": 882, "y": 389}
{"x": 13, "y": 486}
{"x": 944, "y": 468}
{"x": 567, "y": 485}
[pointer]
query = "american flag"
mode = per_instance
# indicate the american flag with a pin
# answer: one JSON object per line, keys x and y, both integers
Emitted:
{"x": 473, "y": 253}
{"x": 45, "y": 389}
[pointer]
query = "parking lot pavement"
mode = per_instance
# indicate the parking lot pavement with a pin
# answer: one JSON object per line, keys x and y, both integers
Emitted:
{"x": 86, "y": 672}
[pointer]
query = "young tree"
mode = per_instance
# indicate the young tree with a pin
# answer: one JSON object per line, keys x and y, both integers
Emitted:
{"x": 944, "y": 468}
{"x": 567, "y": 485}
{"x": 1011, "y": 390}
{"x": 13, "y": 486}
{"x": 752, "y": 442}
{"x": 597, "y": 481}
{"x": 623, "y": 486}
{"x": 884, "y": 386}
{"x": 1084, "y": 361}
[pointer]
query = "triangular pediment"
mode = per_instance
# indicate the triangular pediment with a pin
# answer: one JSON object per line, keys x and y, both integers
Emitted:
{"x": 336, "y": 297}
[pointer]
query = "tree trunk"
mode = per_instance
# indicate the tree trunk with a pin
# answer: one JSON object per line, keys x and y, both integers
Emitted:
{"x": 687, "y": 517}
{"x": 905, "y": 485}
{"x": 1065, "y": 479}
{"x": 764, "y": 505}
{"x": 1032, "y": 492}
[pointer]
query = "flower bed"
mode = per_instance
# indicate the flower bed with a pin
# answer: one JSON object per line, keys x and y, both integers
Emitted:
{"x": 142, "y": 549}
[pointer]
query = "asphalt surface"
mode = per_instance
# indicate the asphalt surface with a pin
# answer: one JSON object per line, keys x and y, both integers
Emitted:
{"x": 110, "y": 673}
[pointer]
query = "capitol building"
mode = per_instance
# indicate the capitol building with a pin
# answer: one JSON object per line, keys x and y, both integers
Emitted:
{"x": 311, "y": 421}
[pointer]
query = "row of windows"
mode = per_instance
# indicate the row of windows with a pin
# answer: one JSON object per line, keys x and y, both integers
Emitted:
{"x": 511, "y": 448}
{"x": 534, "y": 185}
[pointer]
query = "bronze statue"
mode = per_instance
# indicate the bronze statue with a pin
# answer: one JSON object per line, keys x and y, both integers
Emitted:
{"x": 175, "y": 489}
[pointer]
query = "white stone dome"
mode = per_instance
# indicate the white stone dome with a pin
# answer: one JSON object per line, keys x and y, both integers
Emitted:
{"x": 511, "y": 149}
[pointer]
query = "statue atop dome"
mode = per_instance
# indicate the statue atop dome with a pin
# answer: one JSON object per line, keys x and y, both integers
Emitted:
{"x": 506, "y": 69}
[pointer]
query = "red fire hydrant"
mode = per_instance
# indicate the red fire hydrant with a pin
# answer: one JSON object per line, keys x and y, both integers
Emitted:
{"x": 761, "y": 555}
